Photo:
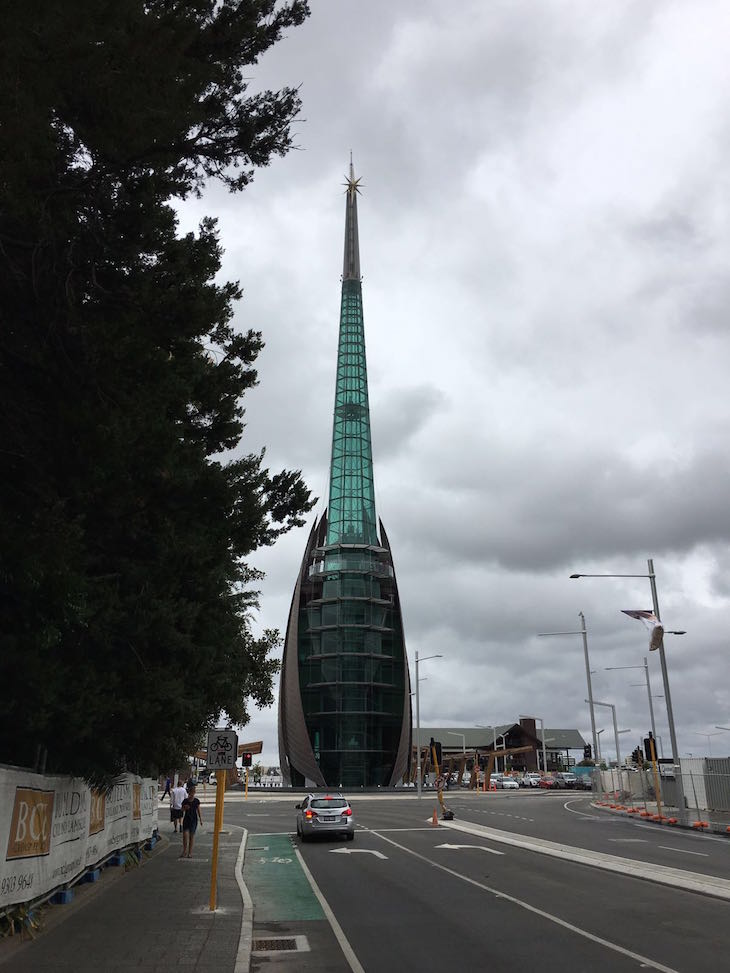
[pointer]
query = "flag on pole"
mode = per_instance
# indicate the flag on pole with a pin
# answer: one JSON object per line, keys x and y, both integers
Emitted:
{"x": 652, "y": 623}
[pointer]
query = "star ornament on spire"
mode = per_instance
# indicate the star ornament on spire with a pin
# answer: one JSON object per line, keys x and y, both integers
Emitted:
{"x": 351, "y": 184}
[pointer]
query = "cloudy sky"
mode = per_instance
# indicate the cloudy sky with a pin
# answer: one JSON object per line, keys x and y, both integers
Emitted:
{"x": 544, "y": 237}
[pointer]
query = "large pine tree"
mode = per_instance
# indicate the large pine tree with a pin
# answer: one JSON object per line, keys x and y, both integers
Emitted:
{"x": 125, "y": 530}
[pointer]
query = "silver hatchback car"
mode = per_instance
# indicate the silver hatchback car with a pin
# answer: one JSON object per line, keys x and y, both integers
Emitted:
{"x": 325, "y": 814}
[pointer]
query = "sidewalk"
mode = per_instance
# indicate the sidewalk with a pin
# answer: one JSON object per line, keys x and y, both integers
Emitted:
{"x": 152, "y": 919}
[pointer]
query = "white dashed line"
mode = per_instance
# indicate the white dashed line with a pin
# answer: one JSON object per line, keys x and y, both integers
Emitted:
{"x": 700, "y": 854}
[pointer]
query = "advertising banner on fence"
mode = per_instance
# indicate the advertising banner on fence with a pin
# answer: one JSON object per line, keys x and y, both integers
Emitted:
{"x": 52, "y": 828}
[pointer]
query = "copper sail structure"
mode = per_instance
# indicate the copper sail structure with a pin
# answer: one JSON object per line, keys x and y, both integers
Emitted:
{"x": 344, "y": 701}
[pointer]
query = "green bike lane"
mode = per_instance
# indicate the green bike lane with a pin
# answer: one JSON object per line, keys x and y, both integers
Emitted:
{"x": 290, "y": 928}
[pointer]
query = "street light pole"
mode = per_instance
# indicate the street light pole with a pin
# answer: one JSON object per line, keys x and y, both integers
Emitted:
{"x": 418, "y": 717}
{"x": 708, "y": 735}
{"x": 463, "y": 739}
{"x": 665, "y": 675}
{"x": 615, "y": 728}
{"x": 488, "y": 726}
{"x": 645, "y": 667}
{"x": 583, "y": 632}
{"x": 598, "y": 737}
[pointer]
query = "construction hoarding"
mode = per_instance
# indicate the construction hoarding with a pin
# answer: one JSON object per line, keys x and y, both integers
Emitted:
{"x": 53, "y": 828}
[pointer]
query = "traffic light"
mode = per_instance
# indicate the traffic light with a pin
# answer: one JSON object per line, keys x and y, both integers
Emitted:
{"x": 648, "y": 748}
{"x": 247, "y": 759}
{"x": 587, "y": 752}
{"x": 637, "y": 757}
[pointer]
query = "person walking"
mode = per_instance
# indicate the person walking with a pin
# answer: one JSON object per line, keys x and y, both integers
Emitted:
{"x": 166, "y": 792}
{"x": 191, "y": 817}
{"x": 177, "y": 796}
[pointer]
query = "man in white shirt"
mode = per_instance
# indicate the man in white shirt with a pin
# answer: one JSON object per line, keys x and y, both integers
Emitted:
{"x": 177, "y": 796}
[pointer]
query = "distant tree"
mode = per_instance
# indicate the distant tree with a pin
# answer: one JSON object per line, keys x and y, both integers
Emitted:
{"x": 126, "y": 523}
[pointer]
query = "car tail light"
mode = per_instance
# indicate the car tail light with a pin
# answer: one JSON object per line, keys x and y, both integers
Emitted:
{"x": 309, "y": 815}
{"x": 347, "y": 812}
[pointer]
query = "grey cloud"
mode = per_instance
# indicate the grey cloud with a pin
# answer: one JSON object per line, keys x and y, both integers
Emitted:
{"x": 399, "y": 415}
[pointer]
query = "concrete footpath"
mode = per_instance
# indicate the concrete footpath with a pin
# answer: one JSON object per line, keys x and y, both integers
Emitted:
{"x": 154, "y": 917}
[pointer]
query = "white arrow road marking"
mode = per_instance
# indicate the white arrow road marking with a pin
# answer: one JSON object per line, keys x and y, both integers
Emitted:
{"x": 480, "y": 847}
{"x": 357, "y": 851}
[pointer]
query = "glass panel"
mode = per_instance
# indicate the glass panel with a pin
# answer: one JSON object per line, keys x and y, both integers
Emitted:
{"x": 329, "y": 614}
{"x": 351, "y": 509}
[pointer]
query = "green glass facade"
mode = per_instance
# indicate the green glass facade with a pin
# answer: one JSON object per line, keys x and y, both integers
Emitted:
{"x": 344, "y": 710}
{"x": 352, "y": 491}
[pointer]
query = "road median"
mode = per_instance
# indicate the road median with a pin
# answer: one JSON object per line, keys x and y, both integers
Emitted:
{"x": 718, "y": 888}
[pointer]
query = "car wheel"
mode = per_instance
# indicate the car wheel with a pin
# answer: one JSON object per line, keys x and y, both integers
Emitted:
{"x": 350, "y": 837}
{"x": 305, "y": 837}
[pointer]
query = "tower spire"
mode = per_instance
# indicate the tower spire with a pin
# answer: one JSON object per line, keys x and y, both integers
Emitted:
{"x": 351, "y": 264}
{"x": 351, "y": 510}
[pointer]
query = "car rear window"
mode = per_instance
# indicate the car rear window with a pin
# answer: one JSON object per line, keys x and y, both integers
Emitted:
{"x": 329, "y": 802}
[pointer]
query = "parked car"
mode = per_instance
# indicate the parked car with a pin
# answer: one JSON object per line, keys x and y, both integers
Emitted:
{"x": 531, "y": 779}
{"x": 565, "y": 780}
{"x": 320, "y": 814}
{"x": 510, "y": 782}
{"x": 583, "y": 782}
{"x": 548, "y": 782}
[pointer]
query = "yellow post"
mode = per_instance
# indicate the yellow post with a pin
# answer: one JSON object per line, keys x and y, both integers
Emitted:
{"x": 218, "y": 821}
{"x": 657, "y": 789}
{"x": 245, "y": 796}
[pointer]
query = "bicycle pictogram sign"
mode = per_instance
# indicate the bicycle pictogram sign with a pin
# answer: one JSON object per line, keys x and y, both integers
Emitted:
{"x": 222, "y": 749}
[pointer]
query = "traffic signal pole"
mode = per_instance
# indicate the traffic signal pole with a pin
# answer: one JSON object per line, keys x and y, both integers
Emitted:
{"x": 657, "y": 789}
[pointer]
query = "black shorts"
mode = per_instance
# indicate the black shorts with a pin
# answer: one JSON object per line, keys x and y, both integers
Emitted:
{"x": 176, "y": 813}
{"x": 190, "y": 824}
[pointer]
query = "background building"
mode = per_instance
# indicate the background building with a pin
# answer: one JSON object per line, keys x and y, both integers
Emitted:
{"x": 563, "y": 747}
{"x": 344, "y": 702}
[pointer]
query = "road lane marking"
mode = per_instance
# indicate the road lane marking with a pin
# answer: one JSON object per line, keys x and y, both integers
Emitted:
{"x": 348, "y": 951}
{"x": 363, "y": 829}
{"x": 653, "y": 964}
{"x": 491, "y": 851}
{"x": 629, "y": 841}
{"x": 358, "y": 851}
{"x": 593, "y": 817}
{"x": 681, "y": 851}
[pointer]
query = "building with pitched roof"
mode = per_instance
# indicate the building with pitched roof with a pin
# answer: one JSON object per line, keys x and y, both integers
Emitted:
{"x": 563, "y": 747}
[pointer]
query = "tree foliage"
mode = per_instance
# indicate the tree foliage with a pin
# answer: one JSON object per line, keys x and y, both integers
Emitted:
{"x": 126, "y": 523}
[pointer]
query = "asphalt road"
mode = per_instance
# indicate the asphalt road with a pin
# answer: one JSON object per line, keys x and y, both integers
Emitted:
{"x": 419, "y": 904}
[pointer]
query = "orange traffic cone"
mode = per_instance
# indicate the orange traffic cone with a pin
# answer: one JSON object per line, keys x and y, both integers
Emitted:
{"x": 435, "y": 819}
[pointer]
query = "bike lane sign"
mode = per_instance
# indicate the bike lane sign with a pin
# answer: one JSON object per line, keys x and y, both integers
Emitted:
{"x": 222, "y": 749}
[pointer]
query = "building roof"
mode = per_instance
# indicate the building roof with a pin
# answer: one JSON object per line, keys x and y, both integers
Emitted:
{"x": 562, "y": 739}
{"x": 450, "y": 737}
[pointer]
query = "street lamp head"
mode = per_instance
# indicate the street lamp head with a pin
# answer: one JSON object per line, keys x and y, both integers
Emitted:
{"x": 611, "y": 575}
